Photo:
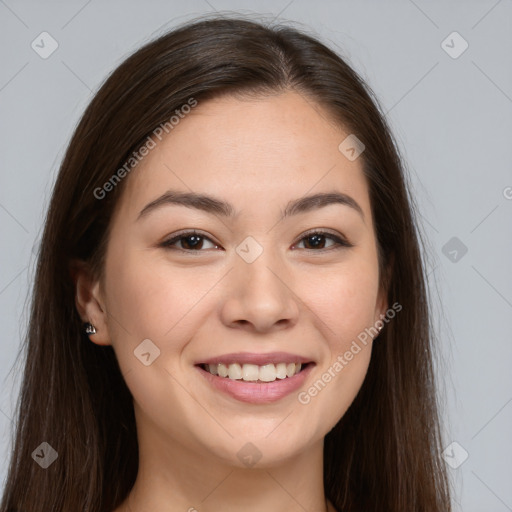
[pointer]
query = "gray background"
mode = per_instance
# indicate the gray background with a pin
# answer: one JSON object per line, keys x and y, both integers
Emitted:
{"x": 453, "y": 121}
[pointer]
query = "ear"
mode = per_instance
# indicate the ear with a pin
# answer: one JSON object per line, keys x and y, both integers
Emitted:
{"x": 89, "y": 301}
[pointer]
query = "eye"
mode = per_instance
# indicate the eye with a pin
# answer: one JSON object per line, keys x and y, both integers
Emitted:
{"x": 193, "y": 241}
{"x": 190, "y": 241}
{"x": 316, "y": 240}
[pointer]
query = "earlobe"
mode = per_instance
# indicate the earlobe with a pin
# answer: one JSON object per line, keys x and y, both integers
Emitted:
{"x": 89, "y": 303}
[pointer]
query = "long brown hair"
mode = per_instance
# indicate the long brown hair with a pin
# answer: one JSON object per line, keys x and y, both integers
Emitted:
{"x": 384, "y": 454}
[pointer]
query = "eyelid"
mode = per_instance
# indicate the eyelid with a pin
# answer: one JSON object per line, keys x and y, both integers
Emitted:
{"x": 175, "y": 237}
{"x": 341, "y": 240}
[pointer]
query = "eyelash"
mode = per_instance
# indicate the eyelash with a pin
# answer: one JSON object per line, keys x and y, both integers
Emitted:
{"x": 340, "y": 242}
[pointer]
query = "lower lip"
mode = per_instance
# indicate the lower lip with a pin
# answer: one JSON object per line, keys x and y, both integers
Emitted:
{"x": 257, "y": 393}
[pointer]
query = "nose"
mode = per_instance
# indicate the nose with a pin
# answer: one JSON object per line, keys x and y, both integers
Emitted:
{"x": 259, "y": 297}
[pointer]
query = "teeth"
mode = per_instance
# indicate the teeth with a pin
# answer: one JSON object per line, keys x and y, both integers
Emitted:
{"x": 222, "y": 370}
{"x": 252, "y": 372}
{"x": 268, "y": 373}
{"x": 235, "y": 371}
{"x": 281, "y": 371}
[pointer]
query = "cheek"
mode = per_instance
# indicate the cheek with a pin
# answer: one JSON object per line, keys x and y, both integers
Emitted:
{"x": 153, "y": 302}
{"x": 149, "y": 298}
{"x": 343, "y": 300}
{"x": 334, "y": 389}
{"x": 161, "y": 398}
{"x": 344, "y": 304}
{"x": 138, "y": 299}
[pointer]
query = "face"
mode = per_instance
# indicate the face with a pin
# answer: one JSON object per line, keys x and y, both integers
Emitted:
{"x": 255, "y": 276}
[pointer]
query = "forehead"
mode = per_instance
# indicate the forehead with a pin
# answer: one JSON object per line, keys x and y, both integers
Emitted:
{"x": 265, "y": 149}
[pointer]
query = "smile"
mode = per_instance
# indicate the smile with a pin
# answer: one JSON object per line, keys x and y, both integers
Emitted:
{"x": 253, "y": 378}
{"x": 254, "y": 373}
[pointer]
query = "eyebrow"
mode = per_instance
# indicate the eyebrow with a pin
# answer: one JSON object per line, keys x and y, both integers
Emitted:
{"x": 215, "y": 206}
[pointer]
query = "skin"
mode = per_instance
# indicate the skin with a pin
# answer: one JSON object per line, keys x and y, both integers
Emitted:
{"x": 257, "y": 154}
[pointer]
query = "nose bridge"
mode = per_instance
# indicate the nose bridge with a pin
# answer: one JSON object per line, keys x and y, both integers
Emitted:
{"x": 263, "y": 277}
{"x": 258, "y": 291}
{"x": 260, "y": 275}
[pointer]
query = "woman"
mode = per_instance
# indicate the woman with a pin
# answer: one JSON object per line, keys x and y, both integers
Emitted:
{"x": 230, "y": 310}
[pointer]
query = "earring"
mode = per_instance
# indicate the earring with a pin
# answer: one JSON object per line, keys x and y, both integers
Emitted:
{"x": 89, "y": 328}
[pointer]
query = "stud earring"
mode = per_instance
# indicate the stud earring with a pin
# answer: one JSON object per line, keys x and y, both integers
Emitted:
{"x": 89, "y": 328}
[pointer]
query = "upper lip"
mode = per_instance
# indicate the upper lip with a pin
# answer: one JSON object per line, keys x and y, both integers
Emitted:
{"x": 258, "y": 359}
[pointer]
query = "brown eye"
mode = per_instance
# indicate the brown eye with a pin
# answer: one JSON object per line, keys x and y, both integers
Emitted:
{"x": 192, "y": 242}
{"x": 188, "y": 242}
{"x": 315, "y": 242}
{"x": 319, "y": 240}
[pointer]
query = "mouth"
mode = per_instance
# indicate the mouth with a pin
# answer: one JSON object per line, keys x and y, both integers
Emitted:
{"x": 255, "y": 373}
{"x": 256, "y": 378}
